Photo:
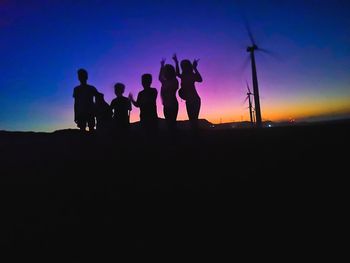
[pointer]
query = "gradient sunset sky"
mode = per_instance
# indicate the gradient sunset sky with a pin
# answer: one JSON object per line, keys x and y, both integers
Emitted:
{"x": 43, "y": 43}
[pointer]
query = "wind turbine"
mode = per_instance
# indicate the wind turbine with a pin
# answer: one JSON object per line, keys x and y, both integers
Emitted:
{"x": 251, "y": 110}
{"x": 251, "y": 50}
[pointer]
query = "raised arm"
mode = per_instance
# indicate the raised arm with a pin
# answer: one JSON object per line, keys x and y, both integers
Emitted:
{"x": 177, "y": 68}
{"x": 161, "y": 74}
{"x": 197, "y": 75}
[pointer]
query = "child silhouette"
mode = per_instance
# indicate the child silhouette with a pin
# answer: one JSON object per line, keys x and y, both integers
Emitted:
{"x": 121, "y": 107}
{"x": 84, "y": 95}
{"x": 103, "y": 113}
{"x": 146, "y": 101}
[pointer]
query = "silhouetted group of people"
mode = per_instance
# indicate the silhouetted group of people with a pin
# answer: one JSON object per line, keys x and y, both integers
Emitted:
{"x": 91, "y": 110}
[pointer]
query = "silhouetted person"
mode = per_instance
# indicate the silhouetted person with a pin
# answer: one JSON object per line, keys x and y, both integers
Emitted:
{"x": 146, "y": 101}
{"x": 84, "y": 102}
{"x": 170, "y": 85}
{"x": 188, "y": 91}
{"x": 103, "y": 113}
{"x": 121, "y": 108}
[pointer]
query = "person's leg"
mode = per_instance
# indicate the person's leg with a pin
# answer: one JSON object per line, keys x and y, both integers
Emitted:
{"x": 197, "y": 107}
{"x": 91, "y": 123}
{"x": 193, "y": 108}
{"x": 81, "y": 123}
{"x": 173, "y": 116}
{"x": 167, "y": 115}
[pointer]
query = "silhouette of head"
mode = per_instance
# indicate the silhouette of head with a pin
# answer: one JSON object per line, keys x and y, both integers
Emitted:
{"x": 82, "y": 75}
{"x": 169, "y": 72}
{"x": 146, "y": 80}
{"x": 99, "y": 97}
{"x": 119, "y": 89}
{"x": 186, "y": 66}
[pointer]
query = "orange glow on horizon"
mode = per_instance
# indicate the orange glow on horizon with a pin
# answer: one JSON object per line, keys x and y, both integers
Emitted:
{"x": 226, "y": 111}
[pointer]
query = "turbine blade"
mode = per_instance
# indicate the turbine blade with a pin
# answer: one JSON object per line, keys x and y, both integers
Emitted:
{"x": 269, "y": 52}
{"x": 250, "y": 34}
{"x": 245, "y": 100}
{"x": 248, "y": 87}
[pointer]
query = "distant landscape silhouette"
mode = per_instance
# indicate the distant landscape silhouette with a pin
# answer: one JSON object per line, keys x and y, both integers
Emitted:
{"x": 73, "y": 192}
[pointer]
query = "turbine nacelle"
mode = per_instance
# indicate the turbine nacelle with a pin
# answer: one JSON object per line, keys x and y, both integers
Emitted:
{"x": 252, "y": 48}
{"x": 248, "y": 89}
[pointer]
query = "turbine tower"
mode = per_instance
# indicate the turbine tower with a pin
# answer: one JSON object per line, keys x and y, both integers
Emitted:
{"x": 251, "y": 111}
{"x": 251, "y": 50}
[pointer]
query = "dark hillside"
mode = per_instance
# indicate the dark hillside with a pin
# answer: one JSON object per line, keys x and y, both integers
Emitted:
{"x": 66, "y": 192}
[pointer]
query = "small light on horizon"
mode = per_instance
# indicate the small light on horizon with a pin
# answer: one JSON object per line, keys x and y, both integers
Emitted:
{"x": 269, "y": 125}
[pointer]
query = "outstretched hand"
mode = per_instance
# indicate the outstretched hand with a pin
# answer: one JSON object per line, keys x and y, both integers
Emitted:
{"x": 195, "y": 63}
{"x": 162, "y": 62}
{"x": 131, "y": 97}
{"x": 175, "y": 58}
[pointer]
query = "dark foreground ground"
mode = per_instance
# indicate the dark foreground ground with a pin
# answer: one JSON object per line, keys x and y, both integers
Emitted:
{"x": 270, "y": 193}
